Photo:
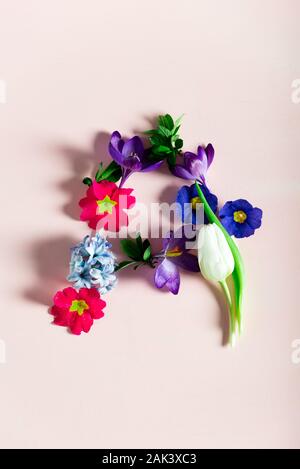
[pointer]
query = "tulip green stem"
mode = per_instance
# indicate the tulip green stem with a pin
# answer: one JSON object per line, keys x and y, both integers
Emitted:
{"x": 238, "y": 274}
{"x": 231, "y": 311}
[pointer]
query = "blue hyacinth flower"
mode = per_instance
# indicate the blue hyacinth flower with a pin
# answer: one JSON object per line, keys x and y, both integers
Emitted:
{"x": 93, "y": 264}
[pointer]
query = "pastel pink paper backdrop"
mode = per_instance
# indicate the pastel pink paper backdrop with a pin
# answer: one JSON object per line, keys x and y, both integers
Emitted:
{"x": 154, "y": 372}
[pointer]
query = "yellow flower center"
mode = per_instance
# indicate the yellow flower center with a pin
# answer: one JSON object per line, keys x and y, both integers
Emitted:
{"x": 105, "y": 205}
{"x": 195, "y": 201}
{"x": 79, "y": 306}
{"x": 239, "y": 216}
{"x": 175, "y": 252}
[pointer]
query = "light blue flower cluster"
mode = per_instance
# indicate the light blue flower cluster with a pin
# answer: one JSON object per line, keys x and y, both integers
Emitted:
{"x": 93, "y": 264}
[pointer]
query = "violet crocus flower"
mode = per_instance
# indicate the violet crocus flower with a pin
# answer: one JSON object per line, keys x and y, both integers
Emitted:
{"x": 195, "y": 166}
{"x": 130, "y": 155}
{"x": 174, "y": 255}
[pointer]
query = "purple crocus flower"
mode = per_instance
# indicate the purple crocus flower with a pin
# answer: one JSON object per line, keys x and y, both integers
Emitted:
{"x": 130, "y": 155}
{"x": 195, "y": 166}
{"x": 174, "y": 255}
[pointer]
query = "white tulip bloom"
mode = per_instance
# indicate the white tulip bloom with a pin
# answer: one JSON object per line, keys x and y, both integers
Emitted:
{"x": 214, "y": 255}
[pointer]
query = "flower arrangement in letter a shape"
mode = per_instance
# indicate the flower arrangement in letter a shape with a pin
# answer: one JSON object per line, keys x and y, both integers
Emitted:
{"x": 106, "y": 206}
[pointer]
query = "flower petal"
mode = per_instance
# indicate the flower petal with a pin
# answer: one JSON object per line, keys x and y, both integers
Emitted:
{"x": 179, "y": 171}
{"x": 201, "y": 154}
{"x": 70, "y": 293}
{"x": 197, "y": 167}
{"x": 132, "y": 163}
{"x": 115, "y": 139}
{"x": 214, "y": 254}
{"x": 115, "y": 147}
{"x": 227, "y": 210}
{"x": 254, "y": 218}
{"x": 189, "y": 154}
{"x": 167, "y": 275}
{"x": 76, "y": 324}
{"x": 103, "y": 188}
{"x": 96, "y": 312}
{"x": 211, "y": 199}
{"x": 89, "y": 208}
{"x": 123, "y": 198}
{"x": 210, "y": 153}
{"x": 242, "y": 204}
{"x": 93, "y": 222}
{"x": 187, "y": 261}
{"x": 150, "y": 166}
{"x": 244, "y": 230}
{"x": 229, "y": 224}
{"x": 179, "y": 239}
{"x": 61, "y": 300}
{"x": 62, "y": 318}
{"x": 86, "y": 322}
{"x": 184, "y": 209}
{"x": 133, "y": 145}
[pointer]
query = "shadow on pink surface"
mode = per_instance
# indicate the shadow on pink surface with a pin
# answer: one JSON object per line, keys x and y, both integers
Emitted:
{"x": 83, "y": 163}
{"x": 50, "y": 259}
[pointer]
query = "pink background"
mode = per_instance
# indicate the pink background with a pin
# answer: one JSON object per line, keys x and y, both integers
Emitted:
{"x": 154, "y": 372}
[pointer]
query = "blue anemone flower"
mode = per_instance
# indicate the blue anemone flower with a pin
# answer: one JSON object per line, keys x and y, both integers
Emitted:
{"x": 93, "y": 264}
{"x": 188, "y": 198}
{"x": 240, "y": 218}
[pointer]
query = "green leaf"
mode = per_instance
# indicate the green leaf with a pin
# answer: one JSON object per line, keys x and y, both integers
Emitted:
{"x": 146, "y": 244}
{"x": 112, "y": 172}
{"x": 176, "y": 130}
{"x": 169, "y": 123}
{"x": 161, "y": 121}
{"x": 155, "y": 140}
{"x": 164, "y": 131}
{"x": 147, "y": 254}
{"x": 166, "y": 121}
{"x": 87, "y": 181}
{"x": 131, "y": 249}
{"x": 161, "y": 149}
{"x": 114, "y": 177}
{"x": 139, "y": 243}
{"x": 99, "y": 172}
{"x": 124, "y": 264}
{"x": 178, "y": 120}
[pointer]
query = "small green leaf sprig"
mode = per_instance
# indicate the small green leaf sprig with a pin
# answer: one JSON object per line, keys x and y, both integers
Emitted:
{"x": 165, "y": 140}
{"x": 139, "y": 253}
{"x": 112, "y": 173}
